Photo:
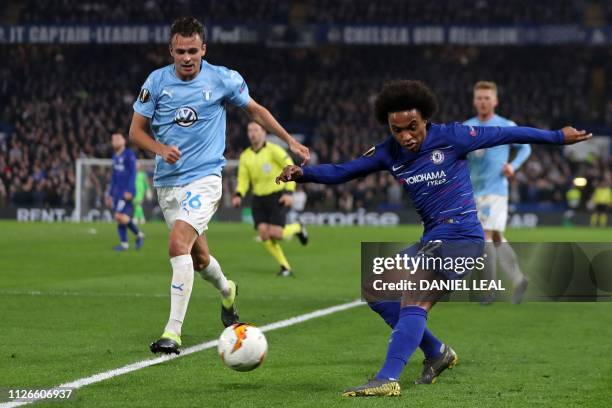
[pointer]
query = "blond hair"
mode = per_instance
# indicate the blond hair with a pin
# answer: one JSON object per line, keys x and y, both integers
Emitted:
{"x": 485, "y": 85}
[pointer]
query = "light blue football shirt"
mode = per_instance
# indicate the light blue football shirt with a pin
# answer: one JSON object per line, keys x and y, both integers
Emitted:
{"x": 190, "y": 115}
{"x": 486, "y": 164}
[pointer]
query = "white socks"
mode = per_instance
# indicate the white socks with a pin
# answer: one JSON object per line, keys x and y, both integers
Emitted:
{"x": 490, "y": 269}
{"x": 182, "y": 283}
{"x": 180, "y": 291}
{"x": 508, "y": 262}
{"x": 213, "y": 274}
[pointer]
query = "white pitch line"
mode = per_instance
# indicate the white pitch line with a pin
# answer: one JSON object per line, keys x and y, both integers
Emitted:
{"x": 82, "y": 294}
{"x": 190, "y": 350}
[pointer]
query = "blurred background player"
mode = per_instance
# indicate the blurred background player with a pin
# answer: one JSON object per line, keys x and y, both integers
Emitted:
{"x": 184, "y": 104}
{"x": 258, "y": 167}
{"x": 142, "y": 188}
{"x": 490, "y": 172}
{"x": 121, "y": 192}
{"x": 600, "y": 202}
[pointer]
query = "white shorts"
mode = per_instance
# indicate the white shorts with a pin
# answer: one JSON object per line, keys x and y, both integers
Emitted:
{"x": 194, "y": 203}
{"x": 493, "y": 212}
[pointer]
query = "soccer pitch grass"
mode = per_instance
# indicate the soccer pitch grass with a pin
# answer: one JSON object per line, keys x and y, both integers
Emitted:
{"x": 70, "y": 307}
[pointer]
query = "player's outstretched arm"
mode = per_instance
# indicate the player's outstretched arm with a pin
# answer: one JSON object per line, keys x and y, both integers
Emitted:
{"x": 140, "y": 137}
{"x": 332, "y": 173}
{"x": 469, "y": 138}
{"x": 263, "y": 116}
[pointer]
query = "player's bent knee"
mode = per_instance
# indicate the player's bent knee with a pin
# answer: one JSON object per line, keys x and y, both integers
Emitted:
{"x": 263, "y": 232}
{"x": 177, "y": 248}
{"x": 426, "y": 305}
{"x": 200, "y": 261}
{"x": 278, "y": 235}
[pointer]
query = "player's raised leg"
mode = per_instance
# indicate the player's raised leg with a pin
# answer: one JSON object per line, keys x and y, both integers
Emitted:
{"x": 208, "y": 267}
{"x": 296, "y": 229}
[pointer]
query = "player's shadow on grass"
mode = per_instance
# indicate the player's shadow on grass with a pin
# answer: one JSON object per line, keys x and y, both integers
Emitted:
{"x": 281, "y": 387}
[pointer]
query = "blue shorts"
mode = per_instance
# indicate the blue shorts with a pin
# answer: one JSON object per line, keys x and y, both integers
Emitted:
{"x": 122, "y": 206}
{"x": 451, "y": 259}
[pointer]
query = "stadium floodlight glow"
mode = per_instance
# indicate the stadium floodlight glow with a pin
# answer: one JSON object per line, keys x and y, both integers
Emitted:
{"x": 580, "y": 181}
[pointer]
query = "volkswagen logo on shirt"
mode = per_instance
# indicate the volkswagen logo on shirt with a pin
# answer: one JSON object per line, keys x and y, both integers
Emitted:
{"x": 185, "y": 116}
{"x": 437, "y": 157}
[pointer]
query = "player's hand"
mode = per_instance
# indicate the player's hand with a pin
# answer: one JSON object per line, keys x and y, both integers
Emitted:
{"x": 170, "y": 154}
{"x": 301, "y": 151}
{"x": 508, "y": 170}
{"x": 286, "y": 200}
{"x": 127, "y": 196}
{"x": 236, "y": 201}
{"x": 289, "y": 173}
{"x": 571, "y": 135}
{"x": 109, "y": 201}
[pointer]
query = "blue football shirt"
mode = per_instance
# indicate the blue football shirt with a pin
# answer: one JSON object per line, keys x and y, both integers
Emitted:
{"x": 486, "y": 164}
{"x": 124, "y": 174}
{"x": 437, "y": 177}
{"x": 192, "y": 116}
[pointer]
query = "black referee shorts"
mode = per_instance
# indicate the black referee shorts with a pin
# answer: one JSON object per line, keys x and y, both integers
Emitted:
{"x": 266, "y": 209}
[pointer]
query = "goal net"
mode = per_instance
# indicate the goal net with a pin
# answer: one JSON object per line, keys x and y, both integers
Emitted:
{"x": 93, "y": 177}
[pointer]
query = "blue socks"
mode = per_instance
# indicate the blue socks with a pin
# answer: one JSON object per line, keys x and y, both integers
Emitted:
{"x": 133, "y": 227}
{"x": 122, "y": 233}
{"x": 405, "y": 338}
{"x": 431, "y": 346}
{"x": 390, "y": 311}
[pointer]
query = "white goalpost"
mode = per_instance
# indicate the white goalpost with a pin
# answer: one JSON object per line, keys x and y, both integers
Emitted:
{"x": 92, "y": 179}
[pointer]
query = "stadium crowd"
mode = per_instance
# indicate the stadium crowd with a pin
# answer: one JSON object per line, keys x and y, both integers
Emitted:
{"x": 149, "y": 11}
{"x": 60, "y": 106}
{"x": 444, "y": 12}
{"x": 309, "y": 11}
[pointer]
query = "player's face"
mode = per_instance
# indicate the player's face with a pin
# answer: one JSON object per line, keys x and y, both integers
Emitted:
{"x": 408, "y": 128}
{"x": 256, "y": 134}
{"x": 187, "y": 53}
{"x": 485, "y": 101}
{"x": 118, "y": 142}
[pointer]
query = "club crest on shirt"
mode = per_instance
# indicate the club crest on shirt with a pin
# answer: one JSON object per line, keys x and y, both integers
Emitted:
{"x": 185, "y": 116}
{"x": 437, "y": 156}
{"x": 144, "y": 95}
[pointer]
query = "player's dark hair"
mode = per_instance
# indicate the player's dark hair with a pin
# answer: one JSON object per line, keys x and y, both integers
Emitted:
{"x": 186, "y": 27}
{"x": 404, "y": 95}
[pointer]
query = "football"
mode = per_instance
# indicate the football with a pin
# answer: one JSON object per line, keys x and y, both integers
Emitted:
{"x": 242, "y": 347}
